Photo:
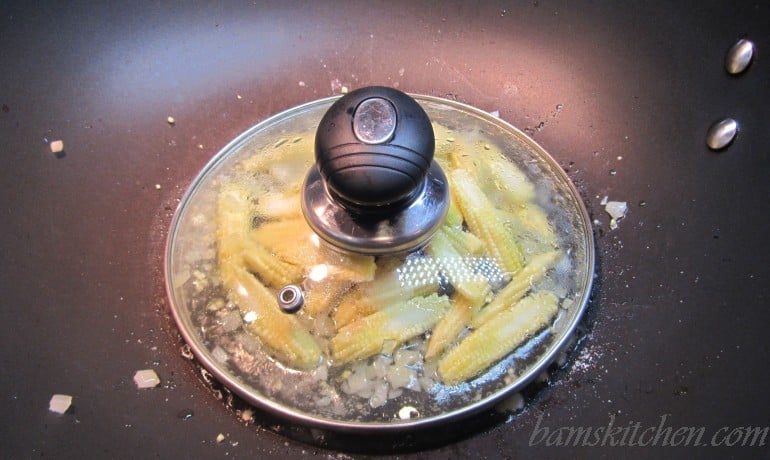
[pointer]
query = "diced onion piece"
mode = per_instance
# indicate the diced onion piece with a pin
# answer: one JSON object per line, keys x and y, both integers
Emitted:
{"x": 57, "y": 146}
{"x": 247, "y": 415}
{"x": 146, "y": 378}
{"x": 60, "y": 403}
{"x": 220, "y": 354}
{"x": 380, "y": 396}
{"x": 616, "y": 209}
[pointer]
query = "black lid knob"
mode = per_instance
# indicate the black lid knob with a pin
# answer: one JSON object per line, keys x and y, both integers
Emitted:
{"x": 373, "y": 148}
{"x": 375, "y": 188}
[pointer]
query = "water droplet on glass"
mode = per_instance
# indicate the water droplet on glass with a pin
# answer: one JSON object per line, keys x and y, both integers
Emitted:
{"x": 721, "y": 133}
{"x": 739, "y": 56}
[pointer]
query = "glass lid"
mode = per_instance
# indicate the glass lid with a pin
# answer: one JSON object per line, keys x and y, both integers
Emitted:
{"x": 327, "y": 336}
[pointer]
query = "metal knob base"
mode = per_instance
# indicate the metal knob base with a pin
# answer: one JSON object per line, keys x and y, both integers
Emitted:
{"x": 406, "y": 229}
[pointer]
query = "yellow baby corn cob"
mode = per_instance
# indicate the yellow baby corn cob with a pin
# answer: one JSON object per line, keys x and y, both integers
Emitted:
{"x": 234, "y": 214}
{"x": 473, "y": 286}
{"x": 448, "y": 144}
{"x": 234, "y": 211}
{"x": 507, "y": 179}
{"x": 350, "y": 267}
{"x": 322, "y": 296}
{"x": 517, "y": 287}
{"x": 280, "y": 332}
{"x": 398, "y": 323}
{"x": 353, "y": 305}
{"x": 482, "y": 220}
{"x": 385, "y": 290}
{"x": 530, "y": 224}
{"x": 503, "y": 182}
{"x": 535, "y": 221}
{"x": 281, "y": 235}
{"x": 270, "y": 269}
{"x": 450, "y": 326}
{"x": 454, "y": 218}
{"x": 463, "y": 158}
{"x": 495, "y": 339}
{"x": 293, "y": 241}
{"x": 274, "y": 205}
{"x": 464, "y": 242}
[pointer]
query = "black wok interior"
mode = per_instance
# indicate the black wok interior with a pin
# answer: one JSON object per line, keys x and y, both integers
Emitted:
{"x": 621, "y": 94}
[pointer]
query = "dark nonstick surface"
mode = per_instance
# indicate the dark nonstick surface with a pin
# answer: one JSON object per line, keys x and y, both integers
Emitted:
{"x": 620, "y": 94}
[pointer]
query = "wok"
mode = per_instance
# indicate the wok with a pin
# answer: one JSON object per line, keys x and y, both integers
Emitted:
{"x": 620, "y": 95}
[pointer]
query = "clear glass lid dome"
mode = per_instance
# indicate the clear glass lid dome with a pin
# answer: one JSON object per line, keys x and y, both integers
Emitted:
{"x": 350, "y": 341}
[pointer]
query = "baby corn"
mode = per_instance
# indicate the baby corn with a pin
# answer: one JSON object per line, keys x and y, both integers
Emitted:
{"x": 322, "y": 296}
{"x": 454, "y": 217}
{"x": 453, "y": 263}
{"x": 368, "y": 298}
{"x": 270, "y": 269}
{"x": 495, "y": 339}
{"x": 464, "y": 242}
{"x": 509, "y": 182}
{"x": 518, "y": 286}
{"x": 398, "y": 323}
{"x": 450, "y": 326}
{"x": 481, "y": 217}
{"x": 281, "y": 333}
{"x": 294, "y": 242}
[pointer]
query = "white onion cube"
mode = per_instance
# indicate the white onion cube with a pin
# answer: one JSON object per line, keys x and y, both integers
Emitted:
{"x": 60, "y": 403}
{"x": 146, "y": 378}
{"x": 616, "y": 209}
{"x": 57, "y": 146}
